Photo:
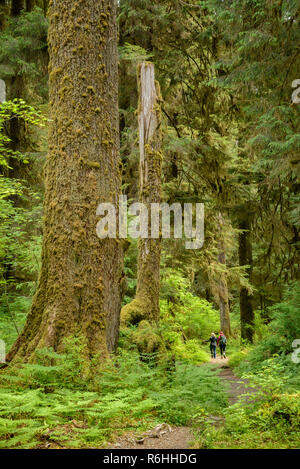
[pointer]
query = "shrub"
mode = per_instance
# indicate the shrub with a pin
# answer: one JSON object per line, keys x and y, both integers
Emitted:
{"x": 51, "y": 402}
{"x": 237, "y": 357}
{"x": 191, "y": 352}
{"x": 270, "y": 418}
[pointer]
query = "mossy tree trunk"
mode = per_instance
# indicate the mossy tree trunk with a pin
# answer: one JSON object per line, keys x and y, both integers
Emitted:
{"x": 223, "y": 286}
{"x": 245, "y": 259}
{"x": 145, "y": 306}
{"x": 224, "y": 299}
{"x": 79, "y": 287}
{"x": 3, "y": 14}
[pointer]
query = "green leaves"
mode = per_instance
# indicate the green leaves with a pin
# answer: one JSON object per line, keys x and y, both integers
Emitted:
{"x": 22, "y": 43}
{"x": 18, "y": 250}
{"x": 60, "y": 406}
{"x": 134, "y": 53}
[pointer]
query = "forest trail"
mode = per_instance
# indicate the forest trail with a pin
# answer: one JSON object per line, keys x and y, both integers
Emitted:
{"x": 182, "y": 437}
{"x": 177, "y": 438}
{"x": 237, "y": 386}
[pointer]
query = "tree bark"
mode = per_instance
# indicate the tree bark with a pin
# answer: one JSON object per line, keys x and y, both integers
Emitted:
{"x": 16, "y": 7}
{"x": 245, "y": 258}
{"x": 223, "y": 288}
{"x": 30, "y": 4}
{"x": 3, "y": 14}
{"x": 145, "y": 306}
{"x": 80, "y": 281}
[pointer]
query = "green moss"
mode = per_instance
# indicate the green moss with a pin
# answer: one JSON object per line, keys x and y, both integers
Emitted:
{"x": 93, "y": 164}
{"x": 135, "y": 312}
{"x": 55, "y": 71}
{"x": 146, "y": 338}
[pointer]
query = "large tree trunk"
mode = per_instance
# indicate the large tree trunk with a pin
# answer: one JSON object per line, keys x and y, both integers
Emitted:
{"x": 79, "y": 286}
{"x": 223, "y": 287}
{"x": 245, "y": 258}
{"x": 145, "y": 306}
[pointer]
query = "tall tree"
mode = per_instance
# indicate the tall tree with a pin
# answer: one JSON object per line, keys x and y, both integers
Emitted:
{"x": 79, "y": 285}
{"x": 245, "y": 258}
{"x": 223, "y": 287}
{"x": 146, "y": 303}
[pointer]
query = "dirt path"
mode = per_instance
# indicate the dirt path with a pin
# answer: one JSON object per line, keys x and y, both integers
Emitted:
{"x": 237, "y": 386}
{"x": 181, "y": 437}
{"x": 176, "y": 438}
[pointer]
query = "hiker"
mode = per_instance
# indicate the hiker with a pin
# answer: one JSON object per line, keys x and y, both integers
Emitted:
{"x": 222, "y": 342}
{"x": 213, "y": 345}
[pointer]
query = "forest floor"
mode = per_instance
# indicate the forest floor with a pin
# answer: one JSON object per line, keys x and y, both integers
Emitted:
{"x": 165, "y": 437}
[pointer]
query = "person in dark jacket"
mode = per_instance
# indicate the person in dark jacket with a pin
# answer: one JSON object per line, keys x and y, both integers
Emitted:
{"x": 222, "y": 342}
{"x": 213, "y": 345}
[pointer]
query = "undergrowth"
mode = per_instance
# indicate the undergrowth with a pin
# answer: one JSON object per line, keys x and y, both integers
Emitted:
{"x": 268, "y": 419}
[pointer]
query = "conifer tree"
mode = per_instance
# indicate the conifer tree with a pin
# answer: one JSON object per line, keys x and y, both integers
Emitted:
{"x": 79, "y": 287}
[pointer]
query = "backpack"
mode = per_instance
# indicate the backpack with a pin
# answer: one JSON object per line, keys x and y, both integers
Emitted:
{"x": 223, "y": 340}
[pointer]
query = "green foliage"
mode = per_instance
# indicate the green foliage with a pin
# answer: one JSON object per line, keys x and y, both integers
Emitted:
{"x": 186, "y": 320}
{"x": 285, "y": 325}
{"x": 237, "y": 357}
{"x": 51, "y": 370}
{"x": 23, "y": 46}
{"x": 270, "y": 419}
{"x": 231, "y": 141}
{"x": 12, "y": 318}
{"x": 186, "y": 312}
{"x": 259, "y": 63}
{"x": 283, "y": 329}
{"x": 61, "y": 406}
{"x": 8, "y": 111}
{"x": 189, "y": 351}
{"x": 133, "y": 53}
{"x": 19, "y": 249}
